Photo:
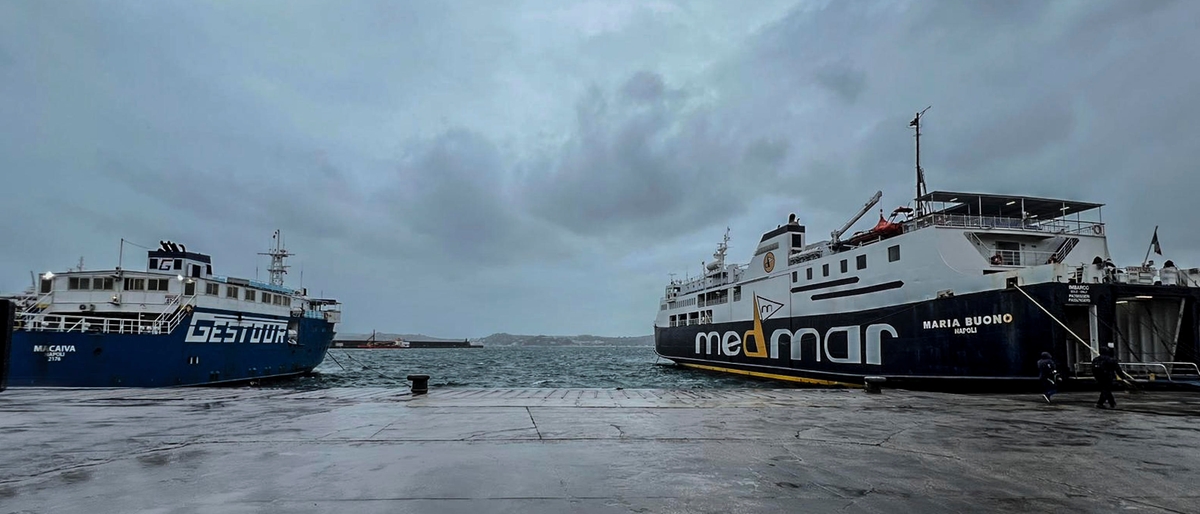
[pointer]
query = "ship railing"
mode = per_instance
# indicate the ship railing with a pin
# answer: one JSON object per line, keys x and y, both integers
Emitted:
{"x": 169, "y": 309}
{"x": 176, "y": 309}
{"x": 1150, "y": 370}
{"x": 703, "y": 320}
{"x": 1023, "y": 257}
{"x": 714, "y": 301}
{"x": 1054, "y": 226}
{"x": 34, "y": 302}
{"x": 184, "y": 308}
{"x": 38, "y": 322}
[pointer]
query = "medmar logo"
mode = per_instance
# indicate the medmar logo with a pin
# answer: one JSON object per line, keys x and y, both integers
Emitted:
{"x": 752, "y": 341}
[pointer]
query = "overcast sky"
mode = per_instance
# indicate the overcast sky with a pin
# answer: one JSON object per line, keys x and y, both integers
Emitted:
{"x": 469, "y": 167}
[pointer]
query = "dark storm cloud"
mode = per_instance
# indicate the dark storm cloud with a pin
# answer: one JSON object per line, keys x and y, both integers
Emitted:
{"x": 452, "y": 194}
{"x": 494, "y": 156}
{"x": 649, "y": 162}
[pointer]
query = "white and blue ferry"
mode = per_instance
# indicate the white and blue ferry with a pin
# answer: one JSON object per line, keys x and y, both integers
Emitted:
{"x": 173, "y": 324}
{"x": 963, "y": 292}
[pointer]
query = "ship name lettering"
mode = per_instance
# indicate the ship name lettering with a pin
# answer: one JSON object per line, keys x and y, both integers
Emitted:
{"x": 729, "y": 343}
{"x": 969, "y": 321}
{"x": 53, "y": 348}
{"x": 209, "y": 328}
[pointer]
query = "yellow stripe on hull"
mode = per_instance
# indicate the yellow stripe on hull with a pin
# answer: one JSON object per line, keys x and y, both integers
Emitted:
{"x": 788, "y": 378}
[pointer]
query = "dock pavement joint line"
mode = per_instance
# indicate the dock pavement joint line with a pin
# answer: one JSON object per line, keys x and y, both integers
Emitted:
{"x": 531, "y": 420}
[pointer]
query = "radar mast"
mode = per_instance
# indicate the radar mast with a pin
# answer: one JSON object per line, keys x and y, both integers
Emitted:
{"x": 277, "y": 254}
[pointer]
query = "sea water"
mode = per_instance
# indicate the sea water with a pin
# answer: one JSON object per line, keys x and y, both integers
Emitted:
{"x": 527, "y": 366}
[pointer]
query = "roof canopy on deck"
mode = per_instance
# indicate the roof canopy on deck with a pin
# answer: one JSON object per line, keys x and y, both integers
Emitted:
{"x": 995, "y": 205}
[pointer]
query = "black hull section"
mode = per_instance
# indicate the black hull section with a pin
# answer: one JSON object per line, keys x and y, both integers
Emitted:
{"x": 987, "y": 341}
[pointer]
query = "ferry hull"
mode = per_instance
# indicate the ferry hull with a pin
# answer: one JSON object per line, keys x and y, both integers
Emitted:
{"x": 80, "y": 359}
{"x": 983, "y": 341}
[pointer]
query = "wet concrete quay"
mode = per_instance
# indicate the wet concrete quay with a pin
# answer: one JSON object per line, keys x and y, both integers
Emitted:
{"x": 593, "y": 450}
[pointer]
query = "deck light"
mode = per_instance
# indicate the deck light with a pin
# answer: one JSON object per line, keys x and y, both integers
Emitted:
{"x": 48, "y": 275}
{"x": 1011, "y": 202}
{"x": 1144, "y": 297}
{"x": 1119, "y": 302}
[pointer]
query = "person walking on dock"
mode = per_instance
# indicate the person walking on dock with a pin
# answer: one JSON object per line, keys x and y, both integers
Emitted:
{"x": 1048, "y": 375}
{"x": 1105, "y": 368}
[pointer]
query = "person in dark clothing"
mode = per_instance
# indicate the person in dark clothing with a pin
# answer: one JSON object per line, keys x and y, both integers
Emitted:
{"x": 1105, "y": 368}
{"x": 1048, "y": 375}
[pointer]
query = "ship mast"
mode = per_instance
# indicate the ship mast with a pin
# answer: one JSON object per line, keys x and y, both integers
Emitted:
{"x": 722, "y": 248}
{"x": 921, "y": 191}
{"x": 277, "y": 269}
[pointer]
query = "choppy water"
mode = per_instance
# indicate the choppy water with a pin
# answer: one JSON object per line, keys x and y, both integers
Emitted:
{"x": 488, "y": 367}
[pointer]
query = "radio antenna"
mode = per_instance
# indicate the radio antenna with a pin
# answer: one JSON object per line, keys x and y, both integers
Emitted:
{"x": 921, "y": 191}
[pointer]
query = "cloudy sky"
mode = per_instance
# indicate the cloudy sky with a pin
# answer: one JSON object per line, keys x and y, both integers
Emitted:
{"x": 469, "y": 167}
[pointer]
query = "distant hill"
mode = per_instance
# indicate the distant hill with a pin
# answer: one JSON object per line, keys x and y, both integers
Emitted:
{"x": 503, "y": 339}
{"x": 387, "y": 336}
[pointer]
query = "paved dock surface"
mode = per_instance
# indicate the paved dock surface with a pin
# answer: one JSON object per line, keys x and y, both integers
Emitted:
{"x": 593, "y": 450}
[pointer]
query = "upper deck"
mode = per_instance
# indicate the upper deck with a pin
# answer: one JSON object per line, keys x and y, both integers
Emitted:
{"x": 155, "y": 299}
{"x": 1007, "y": 212}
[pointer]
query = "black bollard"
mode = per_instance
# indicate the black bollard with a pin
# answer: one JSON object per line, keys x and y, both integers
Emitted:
{"x": 874, "y": 384}
{"x": 420, "y": 384}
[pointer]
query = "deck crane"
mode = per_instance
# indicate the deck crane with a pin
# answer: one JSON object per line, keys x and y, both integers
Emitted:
{"x": 837, "y": 234}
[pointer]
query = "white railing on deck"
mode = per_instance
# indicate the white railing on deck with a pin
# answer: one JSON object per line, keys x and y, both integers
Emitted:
{"x": 34, "y": 302}
{"x": 1055, "y": 226}
{"x": 714, "y": 301}
{"x": 165, "y": 323}
{"x": 1023, "y": 257}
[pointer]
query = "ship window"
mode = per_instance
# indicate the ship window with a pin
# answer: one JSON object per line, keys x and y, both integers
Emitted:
{"x": 189, "y": 289}
{"x": 893, "y": 253}
{"x": 102, "y": 284}
{"x": 277, "y": 300}
{"x": 266, "y": 298}
{"x": 795, "y": 276}
{"x": 153, "y": 263}
{"x": 862, "y": 261}
{"x": 250, "y": 294}
{"x": 797, "y": 240}
{"x": 178, "y": 263}
{"x": 287, "y": 301}
{"x": 135, "y": 284}
{"x": 47, "y": 285}
{"x": 73, "y": 283}
{"x": 208, "y": 269}
{"x": 156, "y": 284}
{"x": 231, "y": 292}
{"x": 825, "y": 269}
{"x": 845, "y": 267}
{"x": 809, "y": 273}
{"x": 195, "y": 270}
{"x": 211, "y": 288}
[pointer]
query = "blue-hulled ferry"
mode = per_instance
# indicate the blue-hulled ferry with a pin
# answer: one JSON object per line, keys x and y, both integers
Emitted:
{"x": 173, "y": 324}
